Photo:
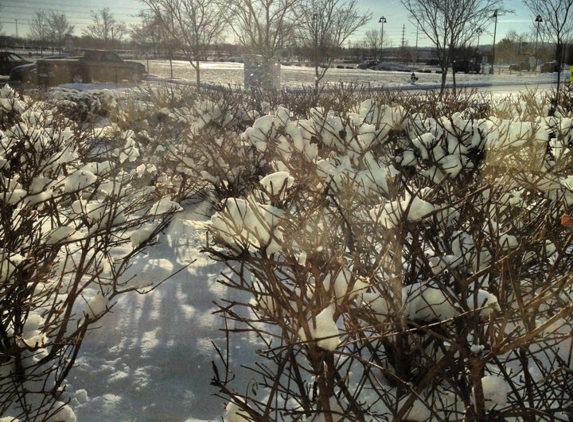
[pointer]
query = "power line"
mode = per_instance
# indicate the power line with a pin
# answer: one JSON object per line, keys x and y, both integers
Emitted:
{"x": 18, "y": 16}
{"x": 25, "y": 10}
{"x": 70, "y": 7}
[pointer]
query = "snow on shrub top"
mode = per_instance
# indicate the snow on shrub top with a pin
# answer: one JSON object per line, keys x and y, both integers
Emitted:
{"x": 323, "y": 328}
{"x": 247, "y": 224}
{"x": 9, "y": 101}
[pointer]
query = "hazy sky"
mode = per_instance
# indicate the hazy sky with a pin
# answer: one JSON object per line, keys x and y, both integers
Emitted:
{"x": 16, "y": 15}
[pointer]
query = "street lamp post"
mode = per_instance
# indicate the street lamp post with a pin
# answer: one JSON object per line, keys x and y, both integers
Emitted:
{"x": 382, "y": 21}
{"x": 494, "y": 16}
{"x": 538, "y": 20}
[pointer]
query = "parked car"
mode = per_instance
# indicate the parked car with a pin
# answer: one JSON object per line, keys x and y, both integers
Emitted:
{"x": 367, "y": 64}
{"x": 27, "y": 73}
{"x": 393, "y": 67}
{"x": 549, "y": 67}
{"x": 9, "y": 61}
{"x": 92, "y": 66}
{"x": 520, "y": 66}
{"x": 466, "y": 66}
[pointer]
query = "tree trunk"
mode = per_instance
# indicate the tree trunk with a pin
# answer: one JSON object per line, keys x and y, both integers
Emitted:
{"x": 443, "y": 83}
{"x": 197, "y": 74}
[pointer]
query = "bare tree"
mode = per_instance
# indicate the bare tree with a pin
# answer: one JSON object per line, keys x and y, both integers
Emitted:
{"x": 450, "y": 24}
{"x": 148, "y": 32}
{"x": 514, "y": 47}
{"x": 557, "y": 25}
{"x": 39, "y": 28}
{"x": 105, "y": 28}
{"x": 263, "y": 26}
{"x": 195, "y": 24}
{"x": 59, "y": 28}
{"x": 324, "y": 26}
{"x": 372, "y": 42}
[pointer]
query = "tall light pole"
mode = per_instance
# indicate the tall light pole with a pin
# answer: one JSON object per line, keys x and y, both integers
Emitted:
{"x": 538, "y": 20}
{"x": 494, "y": 16}
{"x": 382, "y": 21}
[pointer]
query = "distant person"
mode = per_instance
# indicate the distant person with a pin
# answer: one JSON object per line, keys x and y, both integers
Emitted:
{"x": 413, "y": 78}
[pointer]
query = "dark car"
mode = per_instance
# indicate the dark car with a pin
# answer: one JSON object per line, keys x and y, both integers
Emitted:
{"x": 27, "y": 73}
{"x": 393, "y": 67}
{"x": 520, "y": 66}
{"x": 92, "y": 66}
{"x": 466, "y": 66}
{"x": 549, "y": 67}
{"x": 367, "y": 64}
{"x": 9, "y": 61}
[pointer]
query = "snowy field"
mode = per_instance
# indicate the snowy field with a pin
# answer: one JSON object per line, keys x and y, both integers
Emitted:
{"x": 292, "y": 76}
{"x": 231, "y": 74}
{"x": 151, "y": 358}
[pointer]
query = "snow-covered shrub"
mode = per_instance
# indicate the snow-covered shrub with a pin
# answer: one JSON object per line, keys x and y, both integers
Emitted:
{"x": 201, "y": 150}
{"x": 11, "y": 105}
{"x": 192, "y": 139}
{"x": 70, "y": 222}
{"x": 402, "y": 265}
{"x": 82, "y": 106}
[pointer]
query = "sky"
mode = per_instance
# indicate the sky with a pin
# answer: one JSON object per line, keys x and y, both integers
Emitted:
{"x": 16, "y": 15}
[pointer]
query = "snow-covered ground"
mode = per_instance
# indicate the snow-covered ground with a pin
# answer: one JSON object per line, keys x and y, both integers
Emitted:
{"x": 292, "y": 77}
{"x": 151, "y": 360}
{"x": 232, "y": 74}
